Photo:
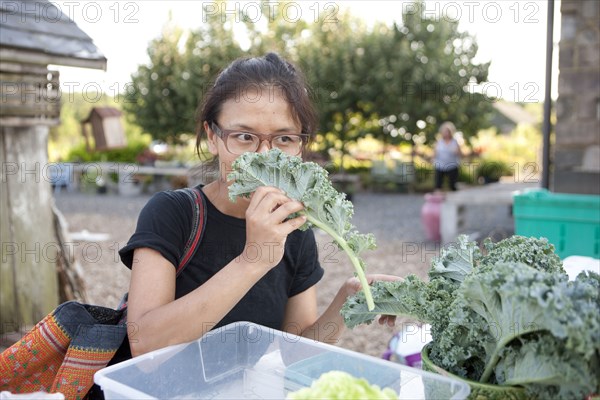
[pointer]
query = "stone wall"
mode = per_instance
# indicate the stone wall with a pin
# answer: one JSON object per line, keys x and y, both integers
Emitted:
{"x": 577, "y": 148}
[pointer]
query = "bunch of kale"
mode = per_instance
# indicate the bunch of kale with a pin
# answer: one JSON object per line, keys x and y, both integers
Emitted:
{"x": 508, "y": 315}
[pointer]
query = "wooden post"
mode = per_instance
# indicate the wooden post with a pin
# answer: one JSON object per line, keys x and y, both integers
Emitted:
{"x": 28, "y": 280}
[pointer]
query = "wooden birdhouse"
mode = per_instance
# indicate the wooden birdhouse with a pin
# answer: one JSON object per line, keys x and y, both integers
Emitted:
{"x": 107, "y": 129}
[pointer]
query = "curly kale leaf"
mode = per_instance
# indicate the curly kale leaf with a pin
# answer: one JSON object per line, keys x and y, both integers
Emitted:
{"x": 490, "y": 305}
{"x": 543, "y": 364}
{"x": 309, "y": 183}
{"x": 407, "y": 298}
{"x": 274, "y": 168}
{"x": 537, "y": 253}
{"x": 457, "y": 261}
{"x": 513, "y": 303}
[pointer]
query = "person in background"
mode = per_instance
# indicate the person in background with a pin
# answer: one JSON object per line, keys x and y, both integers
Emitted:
{"x": 447, "y": 156}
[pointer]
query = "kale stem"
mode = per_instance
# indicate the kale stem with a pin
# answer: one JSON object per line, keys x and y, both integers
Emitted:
{"x": 489, "y": 368}
{"x": 353, "y": 258}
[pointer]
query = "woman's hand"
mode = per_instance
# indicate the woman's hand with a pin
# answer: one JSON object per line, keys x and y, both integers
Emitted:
{"x": 267, "y": 226}
{"x": 353, "y": 286}
{"x": 321, "y": 329}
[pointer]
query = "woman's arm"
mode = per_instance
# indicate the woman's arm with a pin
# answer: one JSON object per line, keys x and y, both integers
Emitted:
{"x": 301, "y": 312}
{"x": 157, "y": 320}
{"x": 301, "y": 317}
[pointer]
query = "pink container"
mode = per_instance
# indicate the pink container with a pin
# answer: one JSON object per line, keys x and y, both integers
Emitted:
{"x": 430, "y": 215}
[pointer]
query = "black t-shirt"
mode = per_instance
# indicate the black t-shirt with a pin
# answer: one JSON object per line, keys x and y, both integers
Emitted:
{"x": 165, "y": 224}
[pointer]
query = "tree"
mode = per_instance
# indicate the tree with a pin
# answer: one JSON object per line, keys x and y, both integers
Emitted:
{"x": 332, "y": 59}
{"x": 403, "y": 79}
{"x": 167, "y": 90}
{"x": 396, "y": 82}
{"x": 436, "y": 87}
{"x": 282, "y": 32}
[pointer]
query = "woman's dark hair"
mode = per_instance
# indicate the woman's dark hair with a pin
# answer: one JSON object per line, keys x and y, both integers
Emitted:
{"x": 254, "y": 73}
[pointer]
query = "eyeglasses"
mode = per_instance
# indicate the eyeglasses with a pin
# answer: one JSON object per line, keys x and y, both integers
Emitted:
{"x": 239, "y": 142}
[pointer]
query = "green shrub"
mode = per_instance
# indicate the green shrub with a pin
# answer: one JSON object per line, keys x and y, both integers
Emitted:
{"x": 127, "y": 154}
{"x": 492, "y": 170}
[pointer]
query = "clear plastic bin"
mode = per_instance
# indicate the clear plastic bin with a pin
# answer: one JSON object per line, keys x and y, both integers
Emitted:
{"x": 249, "y": 361}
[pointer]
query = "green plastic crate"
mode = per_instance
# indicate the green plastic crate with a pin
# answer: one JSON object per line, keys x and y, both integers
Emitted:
{"x": 571, "y": 222}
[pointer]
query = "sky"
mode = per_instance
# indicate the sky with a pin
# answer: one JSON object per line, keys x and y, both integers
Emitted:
{"x": 510, "y": 33}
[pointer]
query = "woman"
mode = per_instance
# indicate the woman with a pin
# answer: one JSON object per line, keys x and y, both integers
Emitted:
{"x": 255, "y": 104}
{"x": 447, "y": 156}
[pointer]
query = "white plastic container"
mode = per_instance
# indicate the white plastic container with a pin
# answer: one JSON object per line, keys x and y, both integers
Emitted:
{"x": 406, "y": 345}
{"x": 249, "y": 361}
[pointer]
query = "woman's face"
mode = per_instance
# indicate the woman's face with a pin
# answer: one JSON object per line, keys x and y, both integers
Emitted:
{"x": 261, "y": 110}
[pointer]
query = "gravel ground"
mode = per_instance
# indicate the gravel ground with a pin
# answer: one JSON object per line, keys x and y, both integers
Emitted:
{"x": 394, "y": 219}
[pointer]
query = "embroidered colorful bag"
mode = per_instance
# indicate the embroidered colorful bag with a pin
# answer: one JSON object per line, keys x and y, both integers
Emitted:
{"x": 64, "y": 350}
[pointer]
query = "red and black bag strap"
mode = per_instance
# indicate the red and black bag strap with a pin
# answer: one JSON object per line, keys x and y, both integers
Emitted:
{"x": 198, "y": 222}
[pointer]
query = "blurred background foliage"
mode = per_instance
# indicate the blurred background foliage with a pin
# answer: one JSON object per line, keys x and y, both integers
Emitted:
{"x": 381, "y": 90}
